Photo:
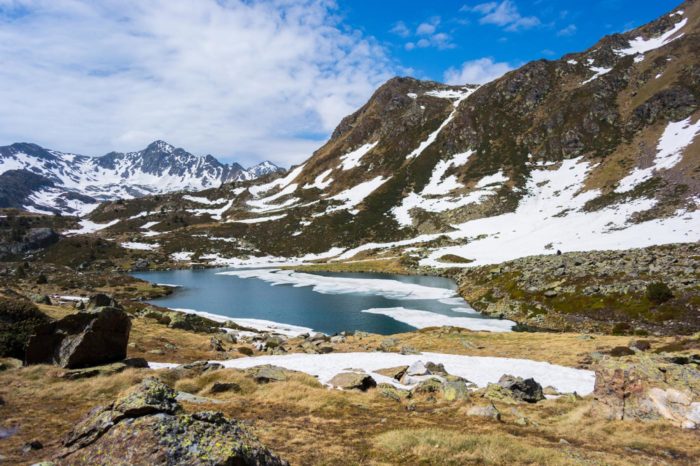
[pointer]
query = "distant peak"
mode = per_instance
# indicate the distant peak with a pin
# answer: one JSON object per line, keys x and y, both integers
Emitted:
{"x": 160, "y": 145}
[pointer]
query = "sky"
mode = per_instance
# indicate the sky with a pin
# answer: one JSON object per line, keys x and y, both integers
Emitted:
{"x": 254, "y": 80}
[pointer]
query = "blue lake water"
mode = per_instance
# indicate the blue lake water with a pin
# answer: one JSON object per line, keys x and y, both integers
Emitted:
{"x": 325, "y": 302}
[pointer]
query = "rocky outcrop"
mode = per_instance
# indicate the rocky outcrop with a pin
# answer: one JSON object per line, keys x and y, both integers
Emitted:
{"x": 18, "y": 320}
{"x": 648, "y": 387}
{"x": 94, "y": 337}
{"x": 33, "y": 239}
{"x": 148, "y": 426}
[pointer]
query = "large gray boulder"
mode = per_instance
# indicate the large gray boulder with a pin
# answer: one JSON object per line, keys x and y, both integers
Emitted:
{"x": 527, "y": 390}
{"x": 148, "y": 426}
{"x": 91, "y": 338}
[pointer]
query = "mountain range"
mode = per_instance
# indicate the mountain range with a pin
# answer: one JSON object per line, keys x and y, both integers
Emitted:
{"x": 595, "y": 150}
{"x": 44, "y": 180}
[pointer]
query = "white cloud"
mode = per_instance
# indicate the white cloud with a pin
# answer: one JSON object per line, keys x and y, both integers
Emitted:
{"x": 503, "y": 14}
{"x": 425, "y": 29}
{"x": 400, "y": 29}
{"x": 569, "y": 30}
{"x": 428, "y": 36}
{"x": 239, "y": 79}
{"x": 479, "y": 71}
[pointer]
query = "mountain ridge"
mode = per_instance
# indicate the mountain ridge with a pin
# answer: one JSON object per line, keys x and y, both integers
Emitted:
{"x": 74, "y": 183}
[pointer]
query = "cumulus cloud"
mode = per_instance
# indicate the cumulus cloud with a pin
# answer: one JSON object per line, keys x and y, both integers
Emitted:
{"x": 504, "y": 14}
{"x": 400, "y": 29}
{"x": 479, "y": 71}
{"x": 426, "y": 35}
{"x": 250, "y": 80}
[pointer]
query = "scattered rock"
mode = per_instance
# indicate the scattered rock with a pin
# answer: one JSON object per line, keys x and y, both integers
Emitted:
{"x": 147, "y": 426}
{"x": 97, "y": 336}
{"x": 453, "y": 391}
{"x": 195, "y": 399}
{"x": 387, "y": 344}
{"x": 393, "y": 372}
{"x": 216, "y": 344}
{"x": 41, "y": 299}
{"x": 201, "y": 366}
{"x": 100, "y": 300}
{"x": 488, "y": 411}
{"x": 527, "y": 390}
{"x": 267, "y": 374}
{"x": 641, "y": 345}
{"x": 337, "y": 339}
{"x": 108, "y": 369}
{"x": 409, "y": 350}
{"x": 245, "y": 350}
{"x": 353, "y": 381}
{"x": 32, "y": 446}
{"x": 428, "y": 386}
{"x": 389, "y": 391}
{"x": 620, "y": 351}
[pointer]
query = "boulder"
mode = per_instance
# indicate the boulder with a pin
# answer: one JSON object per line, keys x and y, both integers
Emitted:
{"x": 647, "y": 387}
{"x": 19, "y": 319}
{"x": 101, "y": 300}
{"x": 268, "y": 373}
{"x": 522, "y": 389}
{"x": 457, "y": 390}
{"x": 91, "y": 338}
{"x": 488, "y": 411}
{"x": 389, "y": 391}
{"x": 147, "y": 426}
{"x": 353, "y": 381}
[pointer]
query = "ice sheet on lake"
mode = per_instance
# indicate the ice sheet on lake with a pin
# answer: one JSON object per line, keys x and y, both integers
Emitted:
{"x": 422, "y": 319}
{"x": 260, "y": 325}
{"x": 392, "y": 289}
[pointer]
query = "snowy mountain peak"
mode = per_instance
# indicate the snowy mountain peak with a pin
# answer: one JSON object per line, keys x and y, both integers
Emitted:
{"x": 75, "y": 184}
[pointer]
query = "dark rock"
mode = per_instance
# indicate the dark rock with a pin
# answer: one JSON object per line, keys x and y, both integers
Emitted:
{"x": 85, "y": 339}
{"x": 393, "y": 372}
{"x": 216, "y": 344}
{"x": 136, "y": 363}
{"x": 220, "y": 387}
{"x": 353, "y": 381}
{"x": 19, "y": 319}
{"x": 147, "y": 426}
{"x": 32, "y": 446}
{"x": 641, "y": 345}
{"x": 522, "y": 389}
{"x": 620, "y": 351}
{"x": 101, "y": 300}
{"x": 201, "y": 366}
{"x": 245, "y": 350}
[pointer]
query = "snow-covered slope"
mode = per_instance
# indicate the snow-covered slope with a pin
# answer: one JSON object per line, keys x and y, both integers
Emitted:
{"x": 75, "y": 184}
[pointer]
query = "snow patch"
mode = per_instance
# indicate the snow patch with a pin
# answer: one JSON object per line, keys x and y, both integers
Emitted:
{"x": 352, "y": 159}
{"x": 640, "y": 45}
{"x": 140, "y": 246}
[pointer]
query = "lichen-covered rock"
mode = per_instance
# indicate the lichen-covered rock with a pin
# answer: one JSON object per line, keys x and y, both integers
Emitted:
{"x": 147, "y": 426}
{"x": 90, "y": 338}
{"x": 353, "y": 381}
{"x": 488, "y": 411}
{"x": 647, "y": 387}
{"x": 455, "y": 390}
{"x": 393, "y": 372}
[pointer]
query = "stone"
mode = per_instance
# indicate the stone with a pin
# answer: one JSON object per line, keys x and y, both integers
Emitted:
{"x": 201, "y": 366}
{"x": 41, "y": 299}
{"x": 408, "y": 350}
{"x": 387, "y": 344}
{"x": 393, "y": 372}
{"x": 245, "y": 350}
{"x": 94, "y": 337}
{"x": 550, "y": 294}
{"x": 647, "y": 387}
{"x": 336, "y": 339}
{"x": 32, "y": 446}
{"x": 640, "y": 345}
{"x": 108, "y": 369}
{"x": 393, "y": 393}
{"x": 428, "y": 386}
{"x": 353, "y": 381}
{"x": 620, "y": 351}
{"x": 453, "y": 391}
{"x": 488, "y": 411}
{"x": 100, "y": 300}
{"x": 267, "y": 374}
{"x": 147, "y": 426}
{"x": 435, "y": 369}
{"x": 216, "y": 344}
{"x": 221, "y": 387}
{"x": 195, "y": 399}
{"x": 527, "y": 390}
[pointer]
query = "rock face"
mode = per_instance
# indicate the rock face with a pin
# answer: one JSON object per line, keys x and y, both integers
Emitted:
{"x": 147, "y": 426}
{"x": 646, "y": 388}
{"x": 90, "y": 338}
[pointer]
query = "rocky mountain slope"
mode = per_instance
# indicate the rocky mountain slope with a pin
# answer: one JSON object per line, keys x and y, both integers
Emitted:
{"x": 43, "y": 180}
{"x": 596, "y": 150}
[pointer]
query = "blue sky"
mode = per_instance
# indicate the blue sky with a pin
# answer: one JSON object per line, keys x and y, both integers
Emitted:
{"x": 512, "y": 32}
{"x": 250, "y": 80}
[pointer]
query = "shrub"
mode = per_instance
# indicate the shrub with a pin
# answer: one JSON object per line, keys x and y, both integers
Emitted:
{"x": 621, "y": 328}
{"x": 18, "y": 318}
{"x": 658, "y": 292}
{"x": 41, "y": 279}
